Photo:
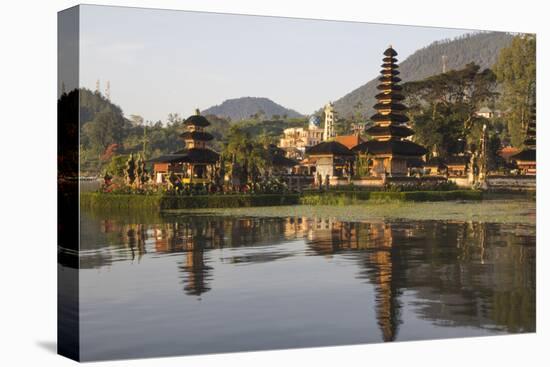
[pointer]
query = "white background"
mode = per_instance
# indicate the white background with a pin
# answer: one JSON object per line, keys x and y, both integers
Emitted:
{"x": 28, "y": 181}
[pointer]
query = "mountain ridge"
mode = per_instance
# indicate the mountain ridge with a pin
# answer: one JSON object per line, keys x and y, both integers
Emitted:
{"x": 242, "y": 108}
{"x": 481, "y": 48}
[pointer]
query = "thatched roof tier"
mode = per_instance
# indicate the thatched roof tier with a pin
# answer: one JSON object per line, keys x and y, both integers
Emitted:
{"x": 389, "y": 87}
{"x": 197, "y": 120}
{"x": 392, "y": 130}
{"x": 395, "y": 147}
{"x": 329, "y": 148}
{"x": 389, "y": 72}
{"x": 193, "y": 155}
{"x": 457, "y": 159}
{"x": 282, "y": 161}
{"x": 526, "y": 155}
{"x": 387, "y": 60}
{"x": 389, "y": 96}
{"x": 390, "y": 52}
{"x": 387, "y": 79}
{"x": 196, "y": 135}
{"x": 168, "y": 158}
{"x": 204, "y": 155}
{"x": 393, "y": 106}
{"x": 391, "y": 117}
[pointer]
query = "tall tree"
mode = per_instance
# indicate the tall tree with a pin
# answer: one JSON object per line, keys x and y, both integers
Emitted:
{"x": 516, "y": 70}
{"x": 251, "y": 154}
{"x": 443, "y": 108}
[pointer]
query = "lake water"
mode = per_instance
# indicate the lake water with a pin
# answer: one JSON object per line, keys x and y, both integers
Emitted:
{"x": 192, "y": 284}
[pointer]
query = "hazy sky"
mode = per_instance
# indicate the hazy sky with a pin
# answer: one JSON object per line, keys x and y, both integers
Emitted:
{"x": 160, "y": 61}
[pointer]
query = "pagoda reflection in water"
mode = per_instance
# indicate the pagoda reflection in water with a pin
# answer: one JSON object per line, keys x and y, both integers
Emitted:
{"x": 443, "y": 263}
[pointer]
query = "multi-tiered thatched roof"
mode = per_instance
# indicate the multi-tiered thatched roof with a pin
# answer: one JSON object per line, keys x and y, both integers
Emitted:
{"x": 390, "y": 127}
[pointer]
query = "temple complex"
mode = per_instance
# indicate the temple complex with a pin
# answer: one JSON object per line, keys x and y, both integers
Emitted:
{"x": 389, "y": 150}
{"x": 195, "y": 162}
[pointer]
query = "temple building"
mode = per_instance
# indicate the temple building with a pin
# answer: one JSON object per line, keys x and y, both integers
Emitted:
{"x": 331, "y": 159}
{"x": 457, "y": 165}
{"x": 435, "y": 166}
{"x": 330, "y": 119}
{"x": 389, "y": 150}
{"x": 193, "y": 164}
{"x": 526, "y": 159}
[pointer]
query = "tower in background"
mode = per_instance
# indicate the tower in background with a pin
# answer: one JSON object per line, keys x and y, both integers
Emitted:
{"x": 108, "y": 90}
{"x": 330, "y": 117}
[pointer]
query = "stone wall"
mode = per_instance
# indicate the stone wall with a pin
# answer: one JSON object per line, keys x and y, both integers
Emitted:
{"x": 514, "y": 183}
{"x": 461, "y": 181}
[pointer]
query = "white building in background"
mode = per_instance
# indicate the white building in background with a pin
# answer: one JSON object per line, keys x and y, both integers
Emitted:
{"x": 488, "y": 113}
{"x": 295, "y": 140}
{"x": 330, "y": 119}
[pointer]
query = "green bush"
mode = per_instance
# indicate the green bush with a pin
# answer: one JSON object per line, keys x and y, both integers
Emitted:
{"x": 160, "y": 202}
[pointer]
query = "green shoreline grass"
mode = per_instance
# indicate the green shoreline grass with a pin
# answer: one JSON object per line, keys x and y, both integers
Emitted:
{"x": 347, "y": 206}
{"x": 163, "y": 202}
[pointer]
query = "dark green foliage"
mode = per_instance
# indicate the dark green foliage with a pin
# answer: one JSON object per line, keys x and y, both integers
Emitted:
{"x": 96, "y": 200}
{"x": 516, "y": 70}
{"x": 117, "y": 165}
{"x": 92, "y": 103}
{"x": 270, "y": 128}
{"x": 105, "y": 129}
{"x": 354, "y": 197}
{"x": 442, "y": 109}
{"x": 161, "y": 202}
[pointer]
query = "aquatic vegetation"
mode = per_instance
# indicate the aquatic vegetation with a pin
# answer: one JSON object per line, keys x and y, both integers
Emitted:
{"x": 495, "y": 211}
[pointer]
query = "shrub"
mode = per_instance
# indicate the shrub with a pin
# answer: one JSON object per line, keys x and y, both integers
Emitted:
{"x": 160, "y": 201}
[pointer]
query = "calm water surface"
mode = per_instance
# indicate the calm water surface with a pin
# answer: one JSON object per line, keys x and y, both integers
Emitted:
{"x": 208, "y": 284}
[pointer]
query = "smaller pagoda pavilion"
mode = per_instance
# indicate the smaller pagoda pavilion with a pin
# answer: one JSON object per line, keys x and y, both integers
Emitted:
{"x": 195, "y": 163}
{"x": 389, "y": 150}
{"x": 526, "y": 159}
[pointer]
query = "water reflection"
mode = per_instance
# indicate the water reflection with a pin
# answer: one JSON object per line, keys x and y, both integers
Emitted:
{"x": 468, "y": 274}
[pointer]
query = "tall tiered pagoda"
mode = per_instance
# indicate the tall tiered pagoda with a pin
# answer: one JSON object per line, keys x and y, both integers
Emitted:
{"x": 195, "y": 162}
{"x": 389, "y": 150}
{"x": 527, "y": 158}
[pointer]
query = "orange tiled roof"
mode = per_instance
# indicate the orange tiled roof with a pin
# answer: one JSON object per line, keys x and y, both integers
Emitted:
{"x": 349, "y": 140}
{"x": 507, "y": 152}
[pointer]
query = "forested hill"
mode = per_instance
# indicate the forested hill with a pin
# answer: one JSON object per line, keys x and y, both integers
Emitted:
{"x": 481, "y": 48}
{"x": 246, "y": 107}
{"x": 92, "y": 103}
